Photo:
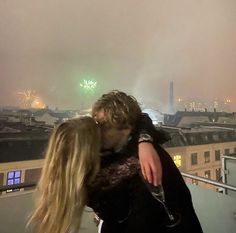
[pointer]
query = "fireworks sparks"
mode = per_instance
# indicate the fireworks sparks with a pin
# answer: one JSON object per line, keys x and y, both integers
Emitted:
{"x": 29, "y": 99}
{"x": 88, "y": 84}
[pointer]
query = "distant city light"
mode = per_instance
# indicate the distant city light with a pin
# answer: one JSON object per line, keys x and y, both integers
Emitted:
{"x": 203, "y": 105}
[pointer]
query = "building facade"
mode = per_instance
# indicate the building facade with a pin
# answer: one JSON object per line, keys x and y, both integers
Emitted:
{"x": 197, "y": 150}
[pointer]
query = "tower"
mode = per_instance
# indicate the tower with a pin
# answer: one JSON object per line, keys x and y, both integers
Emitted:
{"x": 171, "y": 97}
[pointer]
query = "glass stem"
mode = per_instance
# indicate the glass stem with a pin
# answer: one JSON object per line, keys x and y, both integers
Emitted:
{"x": 171, "y": 217}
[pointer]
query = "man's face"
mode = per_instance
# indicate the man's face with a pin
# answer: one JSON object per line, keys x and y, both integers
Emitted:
{"x": 111, "y": 137}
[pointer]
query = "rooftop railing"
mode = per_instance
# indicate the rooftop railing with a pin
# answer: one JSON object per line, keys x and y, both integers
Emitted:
{"x": 18, "y": 186}
{"x": 216, "y": 211}
{"x": 209, "y": 181}
{"x": 184, "y": 174}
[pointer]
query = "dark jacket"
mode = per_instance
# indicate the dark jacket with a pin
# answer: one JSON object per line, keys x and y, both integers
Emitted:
{"x": 123, "y": 200}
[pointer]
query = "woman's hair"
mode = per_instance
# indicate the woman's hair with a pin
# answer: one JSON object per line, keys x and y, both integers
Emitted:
{"x": 121, "y": 110}
{"x": 72, "y": 161}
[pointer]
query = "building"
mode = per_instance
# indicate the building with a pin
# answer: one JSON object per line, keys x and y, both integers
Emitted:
{"x": 22, "y": 151}
{"x": 193, "y": 150}
{"x": 199, "y": 151}
{"x": 199, "y": 140}
{"x": 50, "y": 117}
{"x": 188, "y": 119}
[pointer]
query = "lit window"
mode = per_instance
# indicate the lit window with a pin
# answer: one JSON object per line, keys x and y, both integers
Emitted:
{"x": 178, "y": 160}
{"x": 13, "y": 177}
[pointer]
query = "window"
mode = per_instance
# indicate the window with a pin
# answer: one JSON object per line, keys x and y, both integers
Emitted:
{"x": 225, "y": 136}
{"x": 192, "y": 139}
{"x": 195, "y": 182}
{"x": 218, "y": 174}
{"x": 208, "y": 174}
{"x": 207, "y": 156}
{"x": 215, "y": 137}
{"x": 217, "y": 155}
{"x": 194, "y": 158}
{"x": 226, "y": 151}
{"x": 13, "y": 177}
{"x": 177, "y": 160}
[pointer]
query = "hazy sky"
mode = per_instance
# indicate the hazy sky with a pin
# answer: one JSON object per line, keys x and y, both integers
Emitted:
{"x": 133, "y": 45}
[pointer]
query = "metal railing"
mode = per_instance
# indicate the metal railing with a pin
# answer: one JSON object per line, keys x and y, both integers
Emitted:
{"x": 229, "y": 157}
{"x": 17, "y": 186}
{"x": 187, "y": 175}
{"x": 209, "y": 181}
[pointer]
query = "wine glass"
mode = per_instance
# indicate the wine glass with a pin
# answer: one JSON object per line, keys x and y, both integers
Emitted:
{"x": 159, "y": 194}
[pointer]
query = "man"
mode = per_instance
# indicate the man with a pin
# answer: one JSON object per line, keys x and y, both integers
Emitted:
{"x": 148, "y": 157}
{"x": 125, "y": 131}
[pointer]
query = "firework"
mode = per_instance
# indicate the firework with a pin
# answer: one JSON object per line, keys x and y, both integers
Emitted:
{"x": 29, "y": 99}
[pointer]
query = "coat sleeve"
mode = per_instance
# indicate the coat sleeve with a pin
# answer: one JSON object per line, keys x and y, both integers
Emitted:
{"x": 145, "y": 125}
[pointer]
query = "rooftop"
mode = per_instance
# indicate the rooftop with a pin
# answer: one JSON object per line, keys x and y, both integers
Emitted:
{"x": 199, "y": 135}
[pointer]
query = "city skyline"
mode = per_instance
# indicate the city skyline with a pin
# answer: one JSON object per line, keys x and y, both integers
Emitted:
{"x": 131, "y": 46}
{"x": 178, "y": 105}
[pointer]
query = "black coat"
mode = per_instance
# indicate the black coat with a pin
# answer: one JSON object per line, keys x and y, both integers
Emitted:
{"x": 123, "y": 200}
{"x": 127, "y": 206}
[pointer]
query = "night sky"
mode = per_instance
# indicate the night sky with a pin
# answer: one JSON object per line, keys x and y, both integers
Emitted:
{"x": 137, "y": 46}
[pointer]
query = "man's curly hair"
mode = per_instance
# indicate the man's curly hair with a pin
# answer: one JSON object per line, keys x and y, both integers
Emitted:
{"x": 121, "y": 110}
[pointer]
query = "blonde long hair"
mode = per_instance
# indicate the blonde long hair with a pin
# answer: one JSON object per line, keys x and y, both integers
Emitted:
{"x": 72, "y": 161}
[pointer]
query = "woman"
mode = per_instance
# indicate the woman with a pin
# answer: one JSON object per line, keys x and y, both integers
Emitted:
{"x": 68, "y": 178}
{"x": 71, "y": 163}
